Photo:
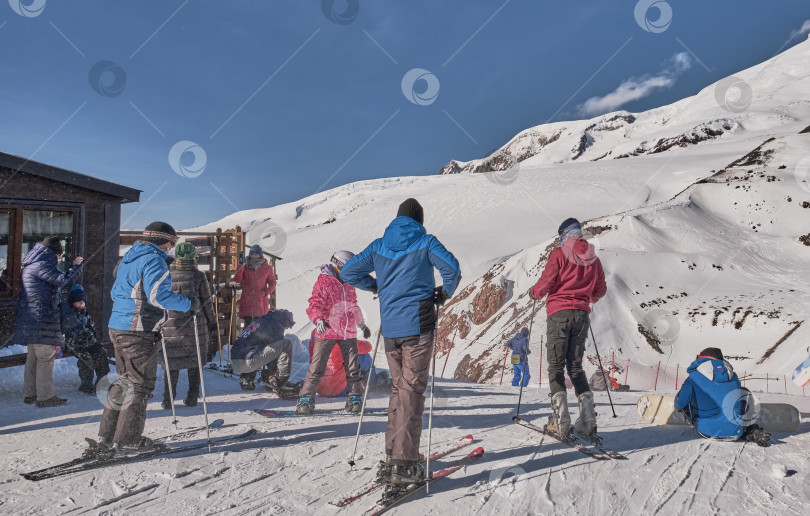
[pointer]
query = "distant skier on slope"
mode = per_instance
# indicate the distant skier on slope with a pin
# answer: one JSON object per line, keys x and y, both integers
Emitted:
{"x": 334, "y": 311}
{"x": 404, "y": 259}
{"x": 519, "y": 344}
{"x": 573, "y": 279}
{"x": 714, "y": 402}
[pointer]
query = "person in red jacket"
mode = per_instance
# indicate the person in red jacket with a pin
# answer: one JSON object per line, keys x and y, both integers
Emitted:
{"x": 573, "y": 279}
{"x": 333, "y": 308}
{"x": 258, "y": 281}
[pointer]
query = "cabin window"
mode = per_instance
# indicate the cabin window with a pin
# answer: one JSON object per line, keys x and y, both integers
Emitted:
{"x": 38, "y": 224}
{"x": 5, "y": 241}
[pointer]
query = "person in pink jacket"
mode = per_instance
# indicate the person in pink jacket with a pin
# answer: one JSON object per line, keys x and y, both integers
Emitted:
{"x": 334, "y": 311}
{"x": 258, "y": 281}
{"x": 573, "y": 279}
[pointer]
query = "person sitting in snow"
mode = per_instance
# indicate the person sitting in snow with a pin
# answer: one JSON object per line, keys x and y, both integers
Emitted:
{"x": 601, "y": 381}
{"x": 334, "y": 311}
{"x": 81, "y": 340}
{"x": 519, "y": 344}
{"x": 261, "y": 342}
{"x": 713, "y": 401}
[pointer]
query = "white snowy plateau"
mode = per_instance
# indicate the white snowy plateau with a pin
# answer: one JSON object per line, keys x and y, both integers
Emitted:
{"x": 700, "y": 213}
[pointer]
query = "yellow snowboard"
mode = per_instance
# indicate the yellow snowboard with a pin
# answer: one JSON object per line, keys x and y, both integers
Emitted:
{"x": 773, "y": 417}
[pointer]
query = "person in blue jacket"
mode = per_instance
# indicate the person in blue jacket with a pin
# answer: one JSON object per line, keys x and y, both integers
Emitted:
{"x": 519, "y": 344}
{"x": 404, "y": 260}
{"x": 714, "y": 402}
{"x": 142, "y": 295}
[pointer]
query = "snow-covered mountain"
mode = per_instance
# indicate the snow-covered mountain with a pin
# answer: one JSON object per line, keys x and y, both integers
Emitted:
{"x": 702, "y": 227}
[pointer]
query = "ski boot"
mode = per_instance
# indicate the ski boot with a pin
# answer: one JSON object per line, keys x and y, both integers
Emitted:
{"x": 191, "y": 400}
{"x": 87, "y": 387}
{"x": 384, "y": 468}
{"x": 246, "y": 381}
{"x": 402, "y": 478}
{"x": 166, "y": 404}
{"x": 586, "y": 422}
{"x": 290, "y": 390}
{"x": 101, "y": 449}
{"x": 354, "y": 404}
{"x": 559, "y": 422}
{"x": 755, "y": 434}
{"x": 305, "y": 406}
{"x": 144, "y": 446}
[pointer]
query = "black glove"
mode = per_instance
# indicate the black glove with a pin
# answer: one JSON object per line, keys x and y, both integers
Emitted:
{"x": 195, "y": 306}
{"x": 440, "y": 296}
{"x": 365, "y": 329}
{"x": 373, "y": 289}
{"x": 321, "y": 326}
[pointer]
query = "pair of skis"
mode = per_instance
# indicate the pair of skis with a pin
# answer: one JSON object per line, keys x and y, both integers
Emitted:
{"x": 86, "y": 463}
{"x": 291, "y": 413}
{"x": 374, "y": 485}
{"x": 599, "y": 451}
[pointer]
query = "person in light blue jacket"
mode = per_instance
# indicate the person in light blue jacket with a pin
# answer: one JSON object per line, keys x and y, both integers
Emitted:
{"x": 714, "y": 402}
{"x": 519, "y": 344}
{"x": 404, "y": 260}
{"x": 142, "y": 295}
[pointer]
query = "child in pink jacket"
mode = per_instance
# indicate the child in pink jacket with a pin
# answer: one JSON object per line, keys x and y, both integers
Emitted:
{"x": 334, "y": 311}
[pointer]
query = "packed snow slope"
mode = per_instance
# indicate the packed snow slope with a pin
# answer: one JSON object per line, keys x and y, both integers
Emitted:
{"x": 700, "y": 227}
{"x": 297, "y": 466}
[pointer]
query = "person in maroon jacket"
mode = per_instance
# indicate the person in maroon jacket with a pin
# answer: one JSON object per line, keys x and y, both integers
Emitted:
{"x": 573, "y": 279}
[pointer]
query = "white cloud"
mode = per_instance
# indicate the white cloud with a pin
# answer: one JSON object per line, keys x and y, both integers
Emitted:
{"x": 637, "y": 88}
{"x": 804, "y": 29}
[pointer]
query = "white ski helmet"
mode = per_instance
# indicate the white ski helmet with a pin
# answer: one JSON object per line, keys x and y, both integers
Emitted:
{"x": 340, "y": 258}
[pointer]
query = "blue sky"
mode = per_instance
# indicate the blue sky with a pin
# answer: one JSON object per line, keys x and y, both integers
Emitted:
{"x": 282, "y": 101}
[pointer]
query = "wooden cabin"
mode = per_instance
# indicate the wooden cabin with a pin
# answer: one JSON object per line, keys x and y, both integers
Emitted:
{"x": 37, "y": 200}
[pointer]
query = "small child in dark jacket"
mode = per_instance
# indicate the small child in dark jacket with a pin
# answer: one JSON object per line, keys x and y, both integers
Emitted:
{"x": 80, "y": 339}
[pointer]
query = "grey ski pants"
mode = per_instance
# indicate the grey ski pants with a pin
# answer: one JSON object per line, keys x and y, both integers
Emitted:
{"x": 321, "y": 350}
{"x": 409, "y": 361}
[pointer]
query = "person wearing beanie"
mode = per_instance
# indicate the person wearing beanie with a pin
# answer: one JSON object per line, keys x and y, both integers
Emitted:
{"x": 404, "y": 260}
{"x": 715, "y": 403}
{"x": 572, "y": 279}
{"x": 38, "y": 318}
{"x": 334, "y": 311}
{"x": 142, "y": 294}
{"x": 519, "y": 344}
{"x": 81, "y": 339}
{"x": 179, "y": 333}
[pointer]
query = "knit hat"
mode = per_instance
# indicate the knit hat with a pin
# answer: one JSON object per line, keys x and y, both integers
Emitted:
{"x": 286, "y": 317}
{"x": 524, "y": 331}
{"x": 159, "y": 233}
{"x": 256, "y": 249}
{"x": 411, "y": 208}
{"x": 54, "y": 243}
{"x": 340, "y": 258}
{"x": 185, "y": 251}
{"x": 76, "y": 294}
{"x": 567, "y": 224}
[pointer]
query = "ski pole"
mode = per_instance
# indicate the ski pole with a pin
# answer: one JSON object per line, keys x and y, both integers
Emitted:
{"x": 523, "y": 371}
{"x": 365, "y": 396}
{"x": 168, "y": 380}
{"x": 202, "y": 381}
{"x": 216, "y": 312}
{"x": 432, "y": 388}
{"x": 603, "y": 369}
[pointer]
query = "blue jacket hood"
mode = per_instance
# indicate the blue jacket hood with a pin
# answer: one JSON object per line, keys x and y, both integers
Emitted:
{"x": 402, "y": 232}
{"x": 721, "y": 371}
{"x": 140, "y": 249}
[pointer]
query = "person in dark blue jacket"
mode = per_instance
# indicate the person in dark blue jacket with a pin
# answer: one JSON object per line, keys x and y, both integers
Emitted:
{"x": 38, "y": 318}
{"x": 404, "y": 260}
{"x": 519, "y": 344}
{"x": 261, "y": 342}
{"x": 142, "y": 294}
{"x": 714, "y": 402}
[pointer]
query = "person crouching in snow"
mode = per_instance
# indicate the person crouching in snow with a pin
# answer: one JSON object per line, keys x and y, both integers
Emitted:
{"x": 573, "y": 279}
{"x": 713, "y": 401}
{"x": 81, "y": 340}
{"x": 519, "y": 344}
{"x": 261, "y": 342}
{"x": 334, "y": 311}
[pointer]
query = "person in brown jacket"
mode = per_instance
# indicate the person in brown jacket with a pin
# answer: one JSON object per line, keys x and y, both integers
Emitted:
{"x": 178, "y": 332}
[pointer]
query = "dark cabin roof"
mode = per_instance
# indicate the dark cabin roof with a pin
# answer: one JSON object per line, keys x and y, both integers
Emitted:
{"x": 34, "y": 168}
